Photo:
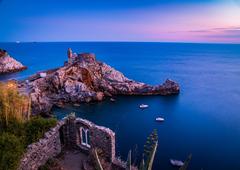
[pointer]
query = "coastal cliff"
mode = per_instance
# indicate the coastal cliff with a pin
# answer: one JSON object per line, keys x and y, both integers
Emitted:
{"x": 9, "y": 64}
{"x": 84, "y": 79}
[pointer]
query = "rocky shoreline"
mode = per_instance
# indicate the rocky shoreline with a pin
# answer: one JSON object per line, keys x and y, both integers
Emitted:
{"x": 84, "y": 79}
{"x": 9, "y": 64}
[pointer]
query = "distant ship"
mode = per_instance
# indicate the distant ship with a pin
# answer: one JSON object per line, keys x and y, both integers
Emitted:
{"x": 17, "y": 42}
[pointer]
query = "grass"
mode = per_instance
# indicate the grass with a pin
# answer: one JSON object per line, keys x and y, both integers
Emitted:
{"x": 13, "y": 105}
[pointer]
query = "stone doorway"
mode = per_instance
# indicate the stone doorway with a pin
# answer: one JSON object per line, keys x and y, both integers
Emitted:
{"x": 61, "y": 133}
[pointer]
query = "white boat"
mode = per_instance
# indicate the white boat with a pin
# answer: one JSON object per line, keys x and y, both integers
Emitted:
{"x": 176, "y": 162}
{"x": 143, "y": 106}
{"x": 160, "y": 119}
{"x": 112, "y": 99}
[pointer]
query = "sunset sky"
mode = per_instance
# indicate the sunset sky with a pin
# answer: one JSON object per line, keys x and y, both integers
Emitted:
{"x": 120, "y": 20}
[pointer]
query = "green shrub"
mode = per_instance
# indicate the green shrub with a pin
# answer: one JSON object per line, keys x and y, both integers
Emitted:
{"x": 11, "y": 150}
{"x": 36, "y": 127}
{"x": 14, "y": 127}
{"x": 17, "y": 135}
{"x": 17, "y": 130}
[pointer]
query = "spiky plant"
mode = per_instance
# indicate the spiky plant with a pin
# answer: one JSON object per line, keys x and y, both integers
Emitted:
{"x": 97, "y": 160}
{"x": 150, "y": 149}
{"x": 129, "y": 160}
{"x": 186, "y": 163}
{"x": 142, "y": 164}
{"x": 153, "y": 152}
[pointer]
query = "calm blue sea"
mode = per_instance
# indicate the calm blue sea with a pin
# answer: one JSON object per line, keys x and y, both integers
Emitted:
{"x": 203, "y": 120}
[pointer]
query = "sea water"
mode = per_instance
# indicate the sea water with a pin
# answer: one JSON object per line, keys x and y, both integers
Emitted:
{"x": 204, "y": 119}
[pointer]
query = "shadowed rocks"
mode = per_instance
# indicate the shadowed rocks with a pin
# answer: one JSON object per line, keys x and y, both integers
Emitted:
{"x": 9, "y": 64}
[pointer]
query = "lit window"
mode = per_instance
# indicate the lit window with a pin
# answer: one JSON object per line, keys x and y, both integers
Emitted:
{"x": 88, "y": 137}
{"x": 85, "y": 137}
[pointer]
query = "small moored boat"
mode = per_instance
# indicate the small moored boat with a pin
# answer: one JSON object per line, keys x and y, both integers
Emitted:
{"x": 176, "y": 162}
{"x": 160, "y": 119}
{"x": 112, "y": 99}
{"x": 143, "y": 106}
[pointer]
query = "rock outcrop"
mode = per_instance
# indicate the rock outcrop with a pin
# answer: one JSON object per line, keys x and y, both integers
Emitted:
{"x": 9, "y": 64}
{"x": 84, "y": 80}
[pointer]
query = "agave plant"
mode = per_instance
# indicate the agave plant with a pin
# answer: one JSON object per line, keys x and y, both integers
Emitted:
{"x": 97, "y": 160}
{"x": 150, "y": 149}
{"x": 129, "y": 160}
{"x": 186, "y": 163}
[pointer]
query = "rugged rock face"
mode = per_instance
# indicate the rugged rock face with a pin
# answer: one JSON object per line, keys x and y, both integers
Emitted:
{"x": 85, "y": 80}
{"x": 9, "y": 64}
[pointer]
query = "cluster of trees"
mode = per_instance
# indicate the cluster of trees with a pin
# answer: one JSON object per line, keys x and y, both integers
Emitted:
{"x": 17, "y": 128}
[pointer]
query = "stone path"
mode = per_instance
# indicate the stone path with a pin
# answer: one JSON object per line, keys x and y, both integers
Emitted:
{"x": 75, "y": 160}
{"x": 72, "y": 160}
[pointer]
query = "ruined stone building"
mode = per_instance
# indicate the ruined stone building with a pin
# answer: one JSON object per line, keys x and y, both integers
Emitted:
{"x": 72, "y": 133}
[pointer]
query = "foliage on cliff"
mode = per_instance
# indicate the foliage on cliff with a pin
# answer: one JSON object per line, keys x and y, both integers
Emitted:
{"x": 17, "y": 129}
{"x": 13, "y": 106}
{"x": 17, "y": 136}
{"x": 36, "y": 127}
{"x": 11, "y": 151}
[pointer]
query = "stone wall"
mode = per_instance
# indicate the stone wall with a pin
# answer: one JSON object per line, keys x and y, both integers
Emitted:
{"x": 99, "y": 137}
{"x": 38, "y": 153}
{"x": 69, "y": 133}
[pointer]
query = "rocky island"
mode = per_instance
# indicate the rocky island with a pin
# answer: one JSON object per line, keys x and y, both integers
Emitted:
{"x": 9, "y": 64}
{"x": 84, "y": 79}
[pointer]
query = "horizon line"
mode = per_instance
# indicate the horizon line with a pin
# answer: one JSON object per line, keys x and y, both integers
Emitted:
{"x": 100, "y": 41}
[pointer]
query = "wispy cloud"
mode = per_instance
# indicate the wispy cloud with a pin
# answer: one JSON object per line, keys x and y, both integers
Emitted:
{"x": 223, "y": 29}
{"x": 218, "y": 34}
